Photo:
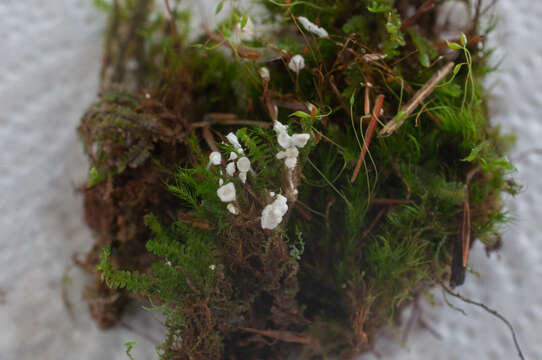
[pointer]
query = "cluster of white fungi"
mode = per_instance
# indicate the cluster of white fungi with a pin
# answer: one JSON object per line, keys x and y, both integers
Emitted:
{"x": 239, "y": 165}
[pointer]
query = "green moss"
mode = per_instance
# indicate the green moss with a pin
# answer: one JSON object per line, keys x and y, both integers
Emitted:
{"x": 349, "y": 253}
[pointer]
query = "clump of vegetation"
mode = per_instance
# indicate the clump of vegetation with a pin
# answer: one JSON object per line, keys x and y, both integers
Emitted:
{"x": 287, "y": 183}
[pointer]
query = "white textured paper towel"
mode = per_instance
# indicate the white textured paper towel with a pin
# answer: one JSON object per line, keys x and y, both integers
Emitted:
{"x": 49, "y": 62}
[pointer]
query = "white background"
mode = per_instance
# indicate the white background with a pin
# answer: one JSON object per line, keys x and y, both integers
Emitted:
{"x": 49, "y": 63}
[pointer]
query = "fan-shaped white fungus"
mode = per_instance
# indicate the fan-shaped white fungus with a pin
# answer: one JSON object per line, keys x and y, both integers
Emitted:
{"x": 232, "y": 138}
{"x": 215, "y": 158}
{"x": 300, "y": 140}
{"x": 288, "y": 153}
{"x": 312, "y": 27}
{"x": 297, "y": 63}
{"x": 230, "y": 168}
{"x": 226, "y": 193}
{"x": 232, "y": 209}
{"x": 272, "y": 214}
{"x": 243, "y": 164}
{"x": 264, "y": 73}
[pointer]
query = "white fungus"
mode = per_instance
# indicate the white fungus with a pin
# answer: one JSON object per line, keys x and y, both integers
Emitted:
{"x": 272, "y": 214}
{"x": 243, "y": 177}
{"x": 226, "y": 193}
{"x": 212, "y": 267}
{"x": 247, "y": 32}
{"x": 289, "y": 144}
{"x": 290, "y": 162}
{"x": 220, "y": 182}
{"x": 288, "y": 153}
{"x": 312, "y": 27}
{"x": 230, "y": 168}
{"x": 284, "y": 139}
{"x": 300, "y": 140}
{"x": 232, "y": 209}
{"x": 215, "y": 158}
{"x": 233, "y": 156}
{"x": 279, "y": 127}
{"x": 243, "y": 164}
{"x": 264, "y": 73}
{"x": 232, "y": 138}
{"x": 297, "y": 63}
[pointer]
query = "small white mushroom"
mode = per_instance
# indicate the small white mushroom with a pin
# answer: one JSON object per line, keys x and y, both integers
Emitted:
{"x": 297, "y": 63}
{"x": 232, "y": 209}
{"x": 284, "y": 140}
{"x": 226, "y": 192}
{"x": 243, "y": 164}
{"x": 215, "y": 158}
{"x": 279, "y": 127}
{"x": 312, "y": 27}
{"x": 264, "y": 73}
{"x": 230, "y": 168}
{"x": 232, "y": 138}
{"x": 300, "y": 140}
{"x": 233, "y": 156}
{"x": 272, "y": 214}
{"x": 288, "y": 153}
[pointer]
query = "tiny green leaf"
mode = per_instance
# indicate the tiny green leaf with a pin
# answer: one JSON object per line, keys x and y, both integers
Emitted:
{"x": 219, "y": 7}
{"x": 457, "y": 68}
{"x": 352, "y": 98}
{"x": 453, "y": 45}
{"x": 129, "y": 345}
{"x": 463, "y": 39}
{"x": 379, "y": 6}
{"x": 474, "y": 153}
{"x": 400, "y": 116}
{"x": 244, "y": 20}
{"x": 94, "y": 177}
{"x": 301, "y": 114}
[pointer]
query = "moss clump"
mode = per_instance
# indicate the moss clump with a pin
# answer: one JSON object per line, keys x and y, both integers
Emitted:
{"x": 401, "y": 173}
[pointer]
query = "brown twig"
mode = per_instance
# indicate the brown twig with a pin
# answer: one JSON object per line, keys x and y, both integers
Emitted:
{"x": 373, "y": 223}
{"x": 416, "y": 100}
{"x": 227, "y": 119}
{"x": 337, "y": 93}
{"x": 427, "y": 6}
{"x": 192, "y": 220}
{"x": 286, "y": 336}
{"x": 302, "y": 211}
{"x": 208, "y": 136}
{"x": 368, "y": 135}
{"x": 492, "y": 312}
{"x": 240, "y": 50}
{"x": 173, "y": 26}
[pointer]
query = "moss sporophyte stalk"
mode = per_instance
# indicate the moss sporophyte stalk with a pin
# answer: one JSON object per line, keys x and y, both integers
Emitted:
{"x": 286, "y": 183}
